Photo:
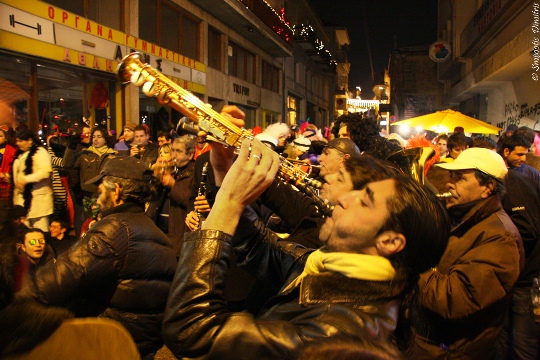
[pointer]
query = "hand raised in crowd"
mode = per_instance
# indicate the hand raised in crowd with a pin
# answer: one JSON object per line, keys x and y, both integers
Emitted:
{"x": 134, "y": 150}
{"x": 49, "y": 138}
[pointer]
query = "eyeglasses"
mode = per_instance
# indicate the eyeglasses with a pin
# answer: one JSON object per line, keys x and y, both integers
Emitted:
{"x": 35, "y": 241}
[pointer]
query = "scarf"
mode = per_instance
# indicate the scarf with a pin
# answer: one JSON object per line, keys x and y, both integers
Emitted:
{"x": 29, "y": 169}
{"x": 355, "y": 266}
{"x": 458, "y": 212}
{"x": 99, "y": 151}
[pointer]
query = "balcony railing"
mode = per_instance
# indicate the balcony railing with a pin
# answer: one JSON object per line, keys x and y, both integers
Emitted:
{"x": 275, "y": 20}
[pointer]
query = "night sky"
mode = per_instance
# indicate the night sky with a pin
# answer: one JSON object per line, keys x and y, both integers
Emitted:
{"x": 390, "y": 23}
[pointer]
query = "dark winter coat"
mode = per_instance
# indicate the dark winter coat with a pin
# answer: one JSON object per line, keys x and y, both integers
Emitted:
{"x": 179, "y": 199}
{"x": 464, "y": 300}
{"x": 522, "y": 204}
{"x": 121, "y": 269}
{"x": 88, "y": 164}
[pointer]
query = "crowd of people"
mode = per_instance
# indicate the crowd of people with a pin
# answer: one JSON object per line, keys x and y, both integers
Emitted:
{"x": 218, "y": 252}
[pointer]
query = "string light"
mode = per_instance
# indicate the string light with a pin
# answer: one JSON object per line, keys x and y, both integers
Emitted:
{"x": 285, "y": 31}
{"x": 301, "y": 33}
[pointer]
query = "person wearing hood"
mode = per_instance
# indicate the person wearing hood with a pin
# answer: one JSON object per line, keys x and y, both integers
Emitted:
{"x": 89, "y": 163}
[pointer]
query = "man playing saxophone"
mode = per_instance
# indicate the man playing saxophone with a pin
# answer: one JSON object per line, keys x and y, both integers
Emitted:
{"x": 383, "y": 255}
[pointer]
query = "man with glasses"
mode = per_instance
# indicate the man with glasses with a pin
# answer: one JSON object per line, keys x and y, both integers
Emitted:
{"x": 465, "y": 298}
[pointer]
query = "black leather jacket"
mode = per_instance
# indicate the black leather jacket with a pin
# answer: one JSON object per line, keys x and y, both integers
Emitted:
{"x": 196, "y": 323}
{"x": 121, "y": 269}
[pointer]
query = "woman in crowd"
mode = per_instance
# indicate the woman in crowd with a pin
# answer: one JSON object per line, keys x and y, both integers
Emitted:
{"x": 7, "y": 155}
{"x": 32, "y": 180}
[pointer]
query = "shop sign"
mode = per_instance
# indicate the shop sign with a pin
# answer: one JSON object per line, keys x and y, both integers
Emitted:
{"x": 240, "y": 89}
{"x": 40, "y": 18}
{"x": 480, "y": 22}
{"x": 440, "y": 51}
{"x": 22, "y": 23}
{"x": 341, "y": 102}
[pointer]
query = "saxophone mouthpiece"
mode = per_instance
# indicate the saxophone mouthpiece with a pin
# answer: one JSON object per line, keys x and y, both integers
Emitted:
{"x": 444, "y": 195}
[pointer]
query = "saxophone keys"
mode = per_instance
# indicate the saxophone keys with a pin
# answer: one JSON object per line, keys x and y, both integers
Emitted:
{"x": 149, "y": 88}
{"x": 163, "y": 98}
{"x": 137, "y": 79}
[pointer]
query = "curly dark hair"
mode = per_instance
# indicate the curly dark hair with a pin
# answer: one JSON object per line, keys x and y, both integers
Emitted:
{"x": 365, "y": 132}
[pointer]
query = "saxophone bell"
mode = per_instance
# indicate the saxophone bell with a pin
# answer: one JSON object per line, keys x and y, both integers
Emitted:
{"x": 412, "y": 161}
{"x": 128, "y": 71}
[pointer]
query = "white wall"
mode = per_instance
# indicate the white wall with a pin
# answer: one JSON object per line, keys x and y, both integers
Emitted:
{"x": 515, "y": 102}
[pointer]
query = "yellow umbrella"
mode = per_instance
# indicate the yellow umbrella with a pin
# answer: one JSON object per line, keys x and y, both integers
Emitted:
{"x": 447, "y": 120}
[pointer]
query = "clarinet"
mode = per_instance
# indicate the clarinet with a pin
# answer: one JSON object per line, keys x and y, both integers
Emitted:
{"x": 201, "y": 192}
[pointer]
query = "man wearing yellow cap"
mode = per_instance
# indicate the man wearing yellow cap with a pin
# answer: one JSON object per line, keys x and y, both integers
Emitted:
{"x": 464, "y": 299}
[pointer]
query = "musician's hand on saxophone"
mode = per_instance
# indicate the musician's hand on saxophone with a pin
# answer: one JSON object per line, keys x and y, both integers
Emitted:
{"x": 222, "y": 157}
{"x": 251, "y": 174}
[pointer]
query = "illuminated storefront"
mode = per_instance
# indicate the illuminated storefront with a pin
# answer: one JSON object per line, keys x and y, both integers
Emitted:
{"x": 67, "y": 66}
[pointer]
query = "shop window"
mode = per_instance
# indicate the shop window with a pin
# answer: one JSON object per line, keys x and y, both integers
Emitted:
{"x": 15, "y": 90}
{"x": 250, "y": 120}
{"x": 148, "y": 20}
{"x": 269, "y": 117}
{"x": 190, "y": 38}
{"x": 241, "y": 63}
{"x": 60, "y": 98}
{"x": 163, "y": 23}
{"x": 293, "y": 107}
{"x": 270, "y": 77}
{"x": 214, "y": 49}
{"x": 170, "y": 20}
{"x": 105, "y": 12}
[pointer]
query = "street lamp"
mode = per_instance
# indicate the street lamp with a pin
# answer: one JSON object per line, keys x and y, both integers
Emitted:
{"x": 358, "y": 92}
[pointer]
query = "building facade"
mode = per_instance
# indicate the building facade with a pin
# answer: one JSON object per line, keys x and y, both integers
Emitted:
{"x": 494, "y": 69}
{"x": 59, "y": 60}
{"x": 414, "y": 88}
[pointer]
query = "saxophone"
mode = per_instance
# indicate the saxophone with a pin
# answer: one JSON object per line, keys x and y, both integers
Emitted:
{"x": 155, "y": 84}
